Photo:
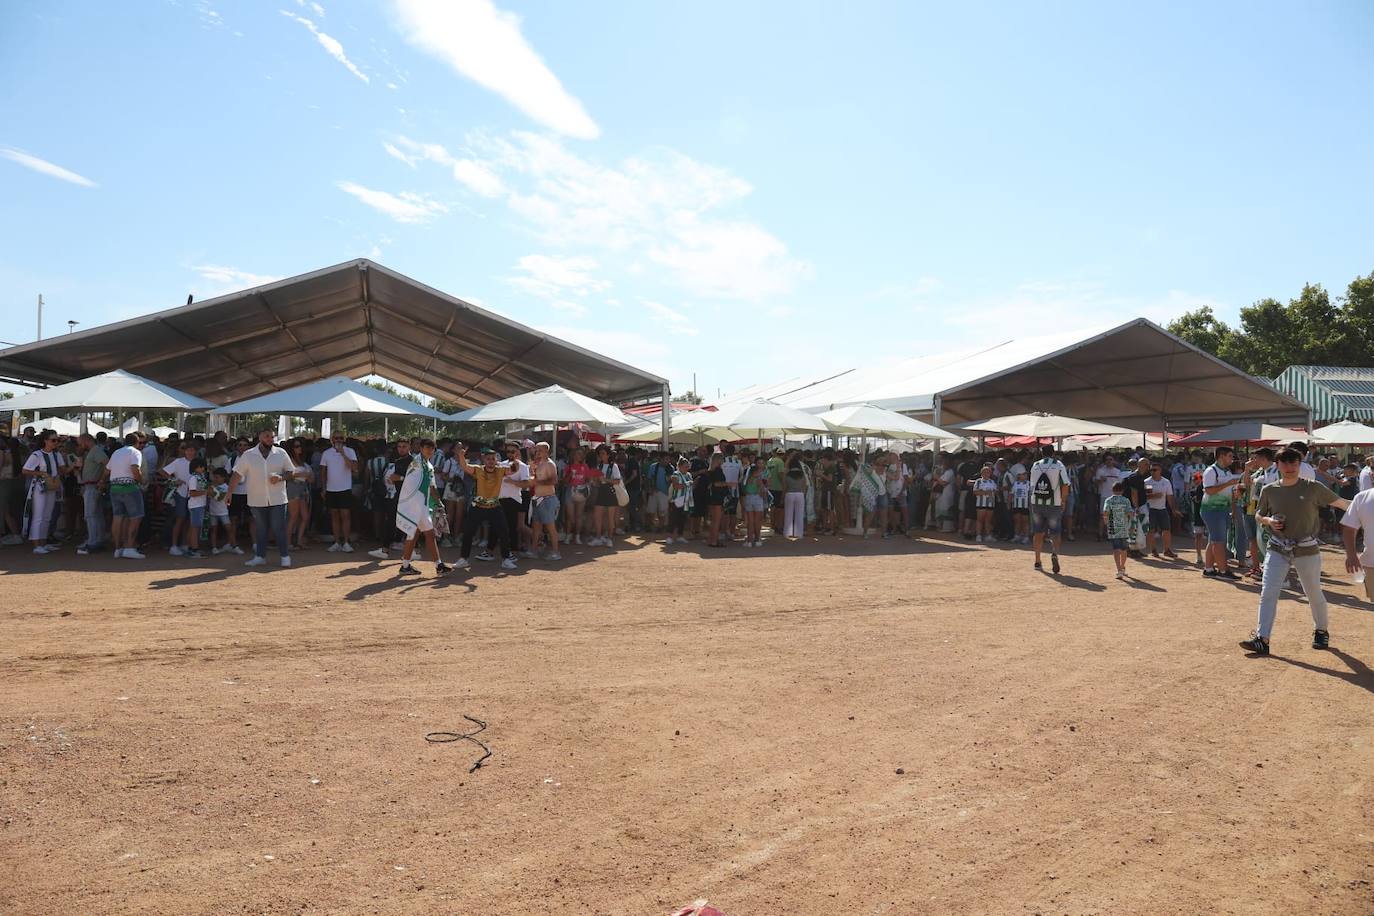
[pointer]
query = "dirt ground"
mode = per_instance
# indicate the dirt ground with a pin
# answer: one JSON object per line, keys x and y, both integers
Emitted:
{"x": 832, "y": 727}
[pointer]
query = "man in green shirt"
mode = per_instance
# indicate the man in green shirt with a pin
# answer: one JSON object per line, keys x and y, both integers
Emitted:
{"x": 93, "y": 460}
{"x": 1290, "y": 510}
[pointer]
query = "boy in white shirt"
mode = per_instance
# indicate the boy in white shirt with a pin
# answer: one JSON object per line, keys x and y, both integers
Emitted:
{"x": 219, "y": 514}
{"x": 337, "y": 466}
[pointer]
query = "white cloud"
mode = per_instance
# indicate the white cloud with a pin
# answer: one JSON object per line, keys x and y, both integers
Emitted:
{"x": 331, "y": 45}
{"x": 576, "y": 309}
{"x": 485, "y": 45}
{"x": 664, "y": 208}
{"x": 476, "y": 176}
{"x": 216, "y": 280}
{"x": 405, "y": 207}
{"x": 629, "y": 347}
{"x": 675, "y": 321}
{"x": 554, "y": 277}
{"x": 45, "y": 167}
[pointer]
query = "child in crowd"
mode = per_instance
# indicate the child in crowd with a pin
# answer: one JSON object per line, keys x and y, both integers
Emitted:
{"x": 754, "y": 489}
{"x": 218, "y": 511}
{"x": 985, "y": 501}
{"x": 1195, "y": 494}
{"x": 197, "y": 490}
{"x": 1020, "y": 507}
{"x": 1117, "y": 513}
{"x": 680, "y": 501}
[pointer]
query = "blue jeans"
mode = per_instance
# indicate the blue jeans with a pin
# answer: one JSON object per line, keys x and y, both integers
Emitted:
{"x": 1276, "y": 567}
{"x": 273, "y": 517}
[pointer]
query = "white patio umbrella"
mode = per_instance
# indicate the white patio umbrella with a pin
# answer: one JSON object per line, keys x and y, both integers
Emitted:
{"x": 117, "y": 390}
{"x": 1346, "y": 432}
{"x": 1247, "y": 431}
{"x": 762, "y": 416}
{"x": 554, "y": 404}
{"x": 653, "y": 432}
{"x": 1149, "y": 441}
{"x": 868, "y": 420}
{"x": 1042, "y": 426}
{"x": 332, "y": 396}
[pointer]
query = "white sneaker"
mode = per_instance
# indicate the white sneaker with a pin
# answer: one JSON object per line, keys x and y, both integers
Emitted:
{"x": 577, "y": 539}
{"x": 508, "y": 563}
{"x": 10, "y": 540}
{"x": 216, "y": 551}
{"x": 235, "y": 550}
{"x": 286, "y": 562}
{"x": 554, "y": 556}
{"x": 256, "y": 561}
{"x": 398, "y": 545}
{"x": 176, "y": 552}
{"x": 132, "y": 554}
{"x": 682, "y": 540}
{"x": 976, "y": 540}
{"x": 380, "y": 554}
{"x": 460, "y": 563}
{"x": 529, "y": 554}
{"x": 335, "y": 547}
{"x": 40, "y": 550}
{"x": 119, "y": 552}
{"x": 347, "y": 547}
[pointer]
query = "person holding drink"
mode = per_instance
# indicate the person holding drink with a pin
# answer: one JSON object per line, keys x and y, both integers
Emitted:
{"x": 264, "y": 471}
{"x": 1290, "y": 510}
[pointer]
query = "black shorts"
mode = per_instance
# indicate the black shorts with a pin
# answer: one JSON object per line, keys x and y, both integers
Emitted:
{"x": 238, "y": 505}
{"x": 341, "y": 500}
{"x": 777, "y": 498}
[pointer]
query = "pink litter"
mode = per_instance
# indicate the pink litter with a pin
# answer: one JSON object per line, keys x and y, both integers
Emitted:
{"x": 700, "y": 908}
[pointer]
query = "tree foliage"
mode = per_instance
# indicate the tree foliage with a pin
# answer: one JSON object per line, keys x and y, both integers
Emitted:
{"x": 1310, "y": 330}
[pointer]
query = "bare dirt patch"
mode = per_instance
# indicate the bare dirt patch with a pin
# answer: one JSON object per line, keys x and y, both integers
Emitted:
{"x": 209, "y": 739}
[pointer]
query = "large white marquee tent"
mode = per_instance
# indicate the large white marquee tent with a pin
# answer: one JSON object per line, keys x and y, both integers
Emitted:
{"x": 1135, "y": 375}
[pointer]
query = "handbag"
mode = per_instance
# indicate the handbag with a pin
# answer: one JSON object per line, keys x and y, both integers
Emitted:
{"x": 440, "y": 519}
{"x": 622, "y": 495}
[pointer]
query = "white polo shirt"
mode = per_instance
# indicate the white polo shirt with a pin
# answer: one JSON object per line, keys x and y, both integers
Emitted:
{"x": 508, "y": 488}
{"x": 255, "y": 469}
{"x": 1361, "y": 515}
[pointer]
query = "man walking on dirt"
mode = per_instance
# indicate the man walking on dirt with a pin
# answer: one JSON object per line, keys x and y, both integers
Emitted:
{"x": 1049, "y": 488}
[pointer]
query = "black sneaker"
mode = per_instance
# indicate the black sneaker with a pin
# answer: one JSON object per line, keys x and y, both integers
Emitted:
{"x": 443, "y": 569}
{"x": 1321, "y": 639}
{"x": 1037, "y": 565}
{"x": 1256, "y": 645}
{"x": 1229, "y": 575}
{"x": 1054, "y": 563}
{"x": 1210, "y": 573}
{"x": 407, "y": 570}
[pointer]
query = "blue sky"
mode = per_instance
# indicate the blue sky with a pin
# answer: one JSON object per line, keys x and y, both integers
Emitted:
{"x": 742, "y": 191}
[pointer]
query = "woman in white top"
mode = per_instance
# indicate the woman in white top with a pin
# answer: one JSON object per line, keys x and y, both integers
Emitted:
{"x": 43, "y": 469}
{"x": 604, "y": 498}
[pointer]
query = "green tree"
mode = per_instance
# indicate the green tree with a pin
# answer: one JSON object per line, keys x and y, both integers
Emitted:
{"x": 1203, "y": 329}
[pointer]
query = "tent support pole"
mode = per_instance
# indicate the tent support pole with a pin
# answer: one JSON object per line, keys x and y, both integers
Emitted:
{"x": 663, "y": 419}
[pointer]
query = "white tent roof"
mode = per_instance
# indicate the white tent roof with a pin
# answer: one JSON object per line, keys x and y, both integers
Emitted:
{"x": 331, "y": 396}
{"x": 554, "y": 404}
{"x": 1149, "y": 441}
{"x": 1136, "y": 375}
{"x": 1346, "y": 432}
{"x": 116, "y": 390}
{"x": 867, "y": 420}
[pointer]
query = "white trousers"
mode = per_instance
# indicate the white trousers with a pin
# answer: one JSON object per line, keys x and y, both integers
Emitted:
{"x": 40, "y": 514}
{"x": 794, "y": 515}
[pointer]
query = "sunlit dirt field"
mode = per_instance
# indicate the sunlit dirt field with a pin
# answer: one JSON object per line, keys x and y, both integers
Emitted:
{"x": 826, "y": 727}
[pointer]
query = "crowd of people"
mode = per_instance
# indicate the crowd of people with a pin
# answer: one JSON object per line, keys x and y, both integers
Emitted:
{"x": 512, "y": 500}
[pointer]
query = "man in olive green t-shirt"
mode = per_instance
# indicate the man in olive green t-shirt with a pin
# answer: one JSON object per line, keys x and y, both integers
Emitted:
{"x": 1290, "y": 510}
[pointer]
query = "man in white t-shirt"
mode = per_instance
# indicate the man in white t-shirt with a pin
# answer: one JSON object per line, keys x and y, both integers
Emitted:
{"x": 1367, "y": 474}
{"x": 337, "y": 466}
{"x": 1161, "y": 507}
{"x": 1105, "y": 477}
{"x": 1360, "y": 517}
{"x": 1049, "y": 490}
{"x": 513, "y": 488}
{"x": 124, "y": 476}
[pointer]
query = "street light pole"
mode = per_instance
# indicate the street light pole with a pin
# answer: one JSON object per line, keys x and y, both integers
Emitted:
{"x": 40, "y": 316}
{"x": 71, "y": 325}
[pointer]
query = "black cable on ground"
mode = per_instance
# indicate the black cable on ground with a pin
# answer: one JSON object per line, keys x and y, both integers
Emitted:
{"x": 446, "y": 737}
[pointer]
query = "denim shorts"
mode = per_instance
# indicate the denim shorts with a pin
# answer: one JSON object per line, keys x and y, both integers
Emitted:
{"x": 179, "y": 510}
{"x": 1216, "y": 521}
{"x": 197, "y": 516}
{"x": 1046, "y": 518}
{"x": 753, "y": 502}
{"x": 1120, "y": 543}
{"x": 126, "y": 504}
